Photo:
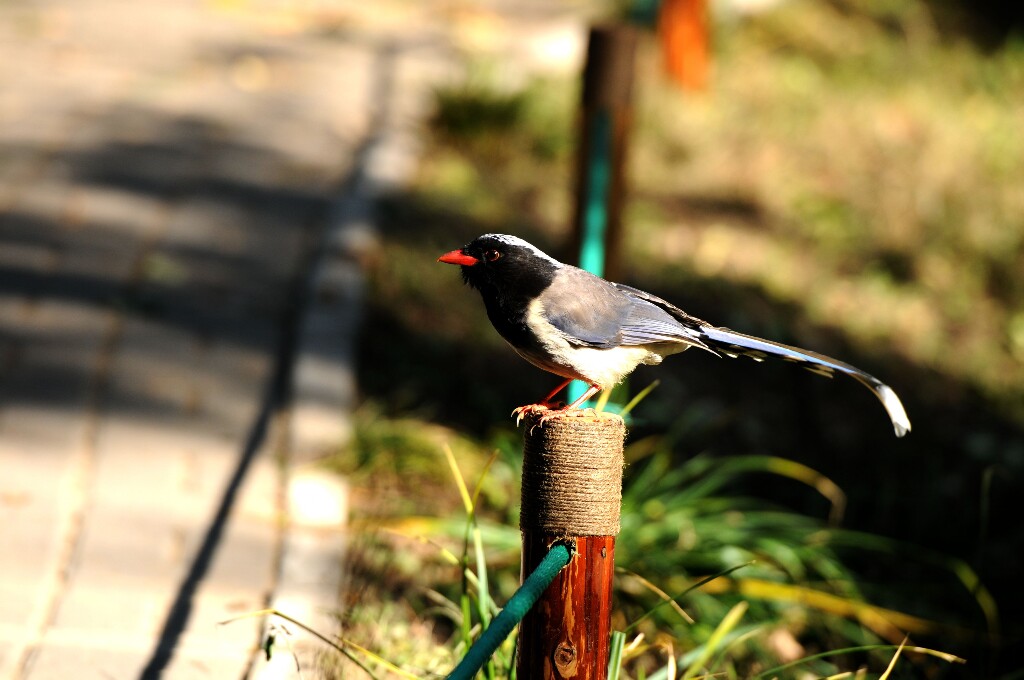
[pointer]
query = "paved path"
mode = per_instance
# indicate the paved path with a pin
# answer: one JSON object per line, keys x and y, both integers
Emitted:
{"x": 186, "y": 192}
{"x": 169, "y": 175}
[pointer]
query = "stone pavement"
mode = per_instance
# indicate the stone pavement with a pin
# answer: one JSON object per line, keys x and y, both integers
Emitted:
{"x": 184, "y": 190}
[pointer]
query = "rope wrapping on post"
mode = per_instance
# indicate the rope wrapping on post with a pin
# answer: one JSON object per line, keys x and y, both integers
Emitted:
{"x": 572, "y": 474}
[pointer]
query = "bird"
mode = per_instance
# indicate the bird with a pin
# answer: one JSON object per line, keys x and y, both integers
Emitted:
{"x": 579, "y": 326}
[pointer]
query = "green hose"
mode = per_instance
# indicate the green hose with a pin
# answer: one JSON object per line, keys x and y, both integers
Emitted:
{"x": 518, "y": 605}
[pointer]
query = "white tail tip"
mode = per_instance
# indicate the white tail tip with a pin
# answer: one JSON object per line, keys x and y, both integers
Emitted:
{"x": 893, "y": 405}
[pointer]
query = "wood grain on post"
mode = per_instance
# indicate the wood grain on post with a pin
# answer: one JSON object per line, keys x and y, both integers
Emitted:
{"x": 572, "y": 490}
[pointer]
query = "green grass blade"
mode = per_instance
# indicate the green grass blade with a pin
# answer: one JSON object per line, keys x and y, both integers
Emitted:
{"x": 615, "y": 654}
{"x": 892, "y": 663}
{"x": 665, "y": 598}
{"x": 740, "y": 636}
{"x": 467, "y": 501}
{"x": 480, "y": 482}
{"x": 772, "y": 672}
{"x": 467, "y": 618}
{"x": 695, "y": 586}
{"x": 640, "y": 396}
{"x": 483, "y": 593}
{"x": 728, "y": 623}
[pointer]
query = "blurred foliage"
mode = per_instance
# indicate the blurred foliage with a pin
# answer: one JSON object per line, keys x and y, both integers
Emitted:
{"x": 683, "y": 520}
{"x": 881, "y": 162}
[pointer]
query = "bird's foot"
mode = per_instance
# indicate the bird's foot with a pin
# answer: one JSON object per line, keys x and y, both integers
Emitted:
{"x": 549, "y": 412}
{"x": 526, "y": 410}
{"x": 545, "y": 403}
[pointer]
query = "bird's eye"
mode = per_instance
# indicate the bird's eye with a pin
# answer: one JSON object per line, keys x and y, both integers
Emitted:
{"x": 491, "y": 255}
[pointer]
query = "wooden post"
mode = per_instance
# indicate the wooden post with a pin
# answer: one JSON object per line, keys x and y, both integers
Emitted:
{"x": 572, "y": 491}
{"x": 606, "y": 114}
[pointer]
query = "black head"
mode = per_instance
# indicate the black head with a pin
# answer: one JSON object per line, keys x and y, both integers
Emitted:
{"x": 504, "y": 265}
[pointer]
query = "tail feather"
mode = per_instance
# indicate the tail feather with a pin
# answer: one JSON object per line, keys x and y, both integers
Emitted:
{"x": 734, "y": 344}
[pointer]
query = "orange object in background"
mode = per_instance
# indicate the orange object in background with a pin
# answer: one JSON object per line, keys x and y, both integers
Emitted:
{"x": 684, "y": 35}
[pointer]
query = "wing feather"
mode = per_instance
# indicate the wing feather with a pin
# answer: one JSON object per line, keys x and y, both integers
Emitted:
{"x": 612, "y": 315}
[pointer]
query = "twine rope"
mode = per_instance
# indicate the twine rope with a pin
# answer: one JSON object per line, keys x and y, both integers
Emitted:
{"x": 572, "y": 474}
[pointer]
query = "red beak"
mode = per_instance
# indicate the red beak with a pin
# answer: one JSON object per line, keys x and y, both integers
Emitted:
{"x": 458, "y": 257}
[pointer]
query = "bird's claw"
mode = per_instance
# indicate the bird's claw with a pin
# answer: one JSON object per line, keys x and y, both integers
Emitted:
{"x": 523, "y": 411}
{"x": 549, "y": 415}
{"x": 551, "y": 411}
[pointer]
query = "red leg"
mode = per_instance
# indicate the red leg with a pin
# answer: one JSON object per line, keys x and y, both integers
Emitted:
{"x": 546, "y": 401}
{"x": 593, "y": 389}
{"x": 520, "y": 412}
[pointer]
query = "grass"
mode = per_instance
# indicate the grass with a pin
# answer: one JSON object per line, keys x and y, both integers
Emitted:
{"x": 754, "y": 585}
{"x": 850, "y": 184}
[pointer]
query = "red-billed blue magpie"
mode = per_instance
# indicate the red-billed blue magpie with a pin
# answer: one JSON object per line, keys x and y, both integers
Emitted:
{"x": 581, "y": 327}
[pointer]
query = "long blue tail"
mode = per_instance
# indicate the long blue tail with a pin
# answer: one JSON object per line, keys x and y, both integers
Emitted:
{"x": 733, "y": 344}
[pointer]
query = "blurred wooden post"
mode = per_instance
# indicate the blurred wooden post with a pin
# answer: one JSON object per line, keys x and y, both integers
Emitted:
{"x": 605, "y": 119}
{"x": 572, "y": 491}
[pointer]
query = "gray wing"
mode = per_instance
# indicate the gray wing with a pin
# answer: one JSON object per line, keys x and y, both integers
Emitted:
{"x": 590, "y": 311}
